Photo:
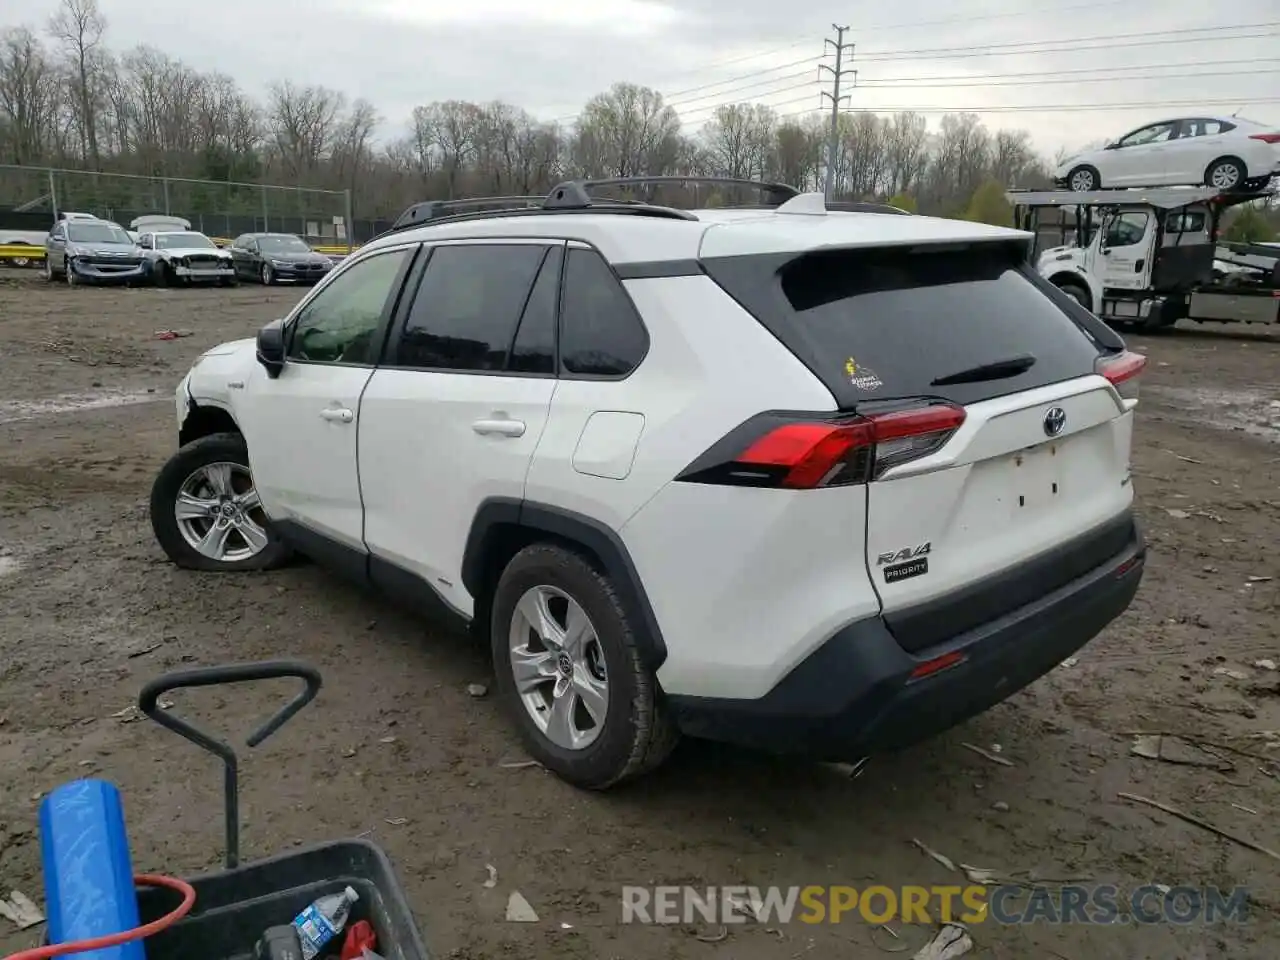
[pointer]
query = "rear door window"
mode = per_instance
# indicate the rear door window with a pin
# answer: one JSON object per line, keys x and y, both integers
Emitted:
{"x": 884, "y": 324}
{"x": 468, "y": 307}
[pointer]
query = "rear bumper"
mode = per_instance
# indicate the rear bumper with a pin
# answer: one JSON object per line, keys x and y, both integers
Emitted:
{"x": 855, "y": 695}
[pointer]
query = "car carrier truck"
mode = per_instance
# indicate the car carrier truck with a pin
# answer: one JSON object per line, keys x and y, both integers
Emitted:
{"x": 1149, "y": 258}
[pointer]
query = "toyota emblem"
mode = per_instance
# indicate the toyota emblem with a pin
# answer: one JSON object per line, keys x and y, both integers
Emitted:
{"x": 1054, "y": 421}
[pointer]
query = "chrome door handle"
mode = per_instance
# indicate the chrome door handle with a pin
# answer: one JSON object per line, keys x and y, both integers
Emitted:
{"x": 501, "y": 428}
{"x": 341, "y": 415}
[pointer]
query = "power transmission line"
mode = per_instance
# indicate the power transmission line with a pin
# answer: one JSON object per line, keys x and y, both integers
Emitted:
{"x": 1060, "y": 107}
{"x": 1055, "y": 11}
{"x": 1077, "y": 70}
{"x": 886, "y": 27}
{"x": 989, "y": 50}
{"x": 698, "y": 104}
{"x": 883, "y": 85}
{"x": 721, "y": 95}
{"x": 813, "y": 61}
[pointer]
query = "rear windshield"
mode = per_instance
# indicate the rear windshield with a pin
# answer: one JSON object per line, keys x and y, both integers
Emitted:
{"x": 888, "y": 324}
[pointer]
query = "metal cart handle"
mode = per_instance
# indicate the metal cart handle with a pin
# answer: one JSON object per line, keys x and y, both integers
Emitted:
{"x": 148, "y": 703}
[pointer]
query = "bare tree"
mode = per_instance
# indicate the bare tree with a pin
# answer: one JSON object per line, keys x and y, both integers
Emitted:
{"x": 906, "y": 156}
{"x": 303, "y": 122}
{"x": 28, "y": 95}
{"x": 627, "y": 131}
{"x": 352, "y": 153}
{"x": 78, "y": 26}
{"x": 1011, "y": 156}
{"x": 740, "y": 140}
{"x": 454, "y": 130}
{"x": 799, "y": 152}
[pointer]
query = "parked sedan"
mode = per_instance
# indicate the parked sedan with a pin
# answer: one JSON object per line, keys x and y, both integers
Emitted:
{"x": 271, "y": 257}
{"x": 185, "y": 256}
{"x": 1227, "y": 153}
{"x": 92, "y": 251}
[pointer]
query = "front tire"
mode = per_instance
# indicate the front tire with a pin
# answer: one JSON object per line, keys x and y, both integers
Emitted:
{"x": 268, "y": 275}
{"x": 1077, "y": 292}
{"x": 1225, "y": 174}
{"x": 569, "y": 670}
{"x": 48, "y": 270}
{"x": 72, "y": 279}
{"x": 205, "y": 511}
{"x": 1083, "y": 179}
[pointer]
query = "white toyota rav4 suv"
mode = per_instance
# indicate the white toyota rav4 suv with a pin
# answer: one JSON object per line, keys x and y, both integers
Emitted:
{"x": 799, "y": 479}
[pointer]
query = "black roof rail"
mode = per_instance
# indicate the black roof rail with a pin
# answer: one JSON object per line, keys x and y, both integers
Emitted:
{"x": 420, "y": 213}
{"x": 572, "y": 194}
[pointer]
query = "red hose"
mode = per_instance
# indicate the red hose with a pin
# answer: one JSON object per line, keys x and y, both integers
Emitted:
{"x": 115, "y": 939}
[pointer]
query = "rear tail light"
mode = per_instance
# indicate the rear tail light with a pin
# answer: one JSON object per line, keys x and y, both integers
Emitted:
{"x": 1123, "y": 370}
{"x": 1272, "y": 138}
{"x": 778, "y": 450}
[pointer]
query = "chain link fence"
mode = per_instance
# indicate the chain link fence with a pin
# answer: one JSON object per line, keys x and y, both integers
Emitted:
{"x": 32, "y": 197}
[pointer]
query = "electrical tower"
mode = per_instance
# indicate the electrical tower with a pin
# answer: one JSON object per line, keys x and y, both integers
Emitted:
{"x": 837, "y": 74}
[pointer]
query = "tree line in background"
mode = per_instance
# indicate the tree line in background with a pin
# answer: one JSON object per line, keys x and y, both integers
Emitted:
{"x": 68, "y": 100}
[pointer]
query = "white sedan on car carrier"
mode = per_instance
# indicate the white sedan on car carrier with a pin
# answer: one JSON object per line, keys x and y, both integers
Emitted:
{"x": 1228, "y": 153}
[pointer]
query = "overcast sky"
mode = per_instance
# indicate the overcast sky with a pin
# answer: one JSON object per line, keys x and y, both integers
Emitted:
{"x": 549, "y": 56}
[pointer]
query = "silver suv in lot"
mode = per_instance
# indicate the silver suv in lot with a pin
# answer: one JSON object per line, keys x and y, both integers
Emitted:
{"x": 88, "y": 250}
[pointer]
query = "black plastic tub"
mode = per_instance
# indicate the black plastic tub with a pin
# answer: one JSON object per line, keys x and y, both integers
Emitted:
{"x": 236, "y": 905}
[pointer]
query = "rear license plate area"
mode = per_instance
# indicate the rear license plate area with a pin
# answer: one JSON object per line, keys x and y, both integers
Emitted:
{"x": 1035, "y": 480}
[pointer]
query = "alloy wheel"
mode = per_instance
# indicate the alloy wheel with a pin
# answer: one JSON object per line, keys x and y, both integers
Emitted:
{"x": 219, "y": 513}
{"x": 559, "y": 668}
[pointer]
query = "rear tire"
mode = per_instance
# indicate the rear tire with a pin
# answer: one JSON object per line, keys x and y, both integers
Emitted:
{"x": 206, "y": 477}
{"x": 1226, "y": 173}
{"x": 636, "y": 733}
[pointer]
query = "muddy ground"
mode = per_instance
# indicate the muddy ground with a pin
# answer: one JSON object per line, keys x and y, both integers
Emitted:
{"x": 396, "y": 749}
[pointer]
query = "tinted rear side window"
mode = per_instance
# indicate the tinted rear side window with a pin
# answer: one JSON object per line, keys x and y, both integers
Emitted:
{"x": 886, "y": 324}
{"x": 600, "y": 332}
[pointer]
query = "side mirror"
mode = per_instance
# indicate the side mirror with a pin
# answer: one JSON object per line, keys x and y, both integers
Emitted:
{"x": 271, "y": 348}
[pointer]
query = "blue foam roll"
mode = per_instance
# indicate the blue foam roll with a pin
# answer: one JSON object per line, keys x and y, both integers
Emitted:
{"x": 88, "y": 876}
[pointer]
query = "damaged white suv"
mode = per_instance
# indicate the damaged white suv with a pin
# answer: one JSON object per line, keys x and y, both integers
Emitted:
{"x": 802, "y": 479}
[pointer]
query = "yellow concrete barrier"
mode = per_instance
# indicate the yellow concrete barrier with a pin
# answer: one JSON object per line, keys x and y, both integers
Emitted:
{"x": 11, "y": 251}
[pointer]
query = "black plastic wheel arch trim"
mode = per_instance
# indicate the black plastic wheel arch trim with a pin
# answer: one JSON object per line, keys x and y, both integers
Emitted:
{"x": 498, "y": 512}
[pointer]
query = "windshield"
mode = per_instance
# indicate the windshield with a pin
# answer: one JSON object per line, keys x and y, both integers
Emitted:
{"x": 282, "y": 245}
{"x": 170, "y": 241}
{"x": 97, "y": 233}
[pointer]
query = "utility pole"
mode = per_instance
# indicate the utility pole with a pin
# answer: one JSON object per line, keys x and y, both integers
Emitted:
{"x": 837, "y": 74}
